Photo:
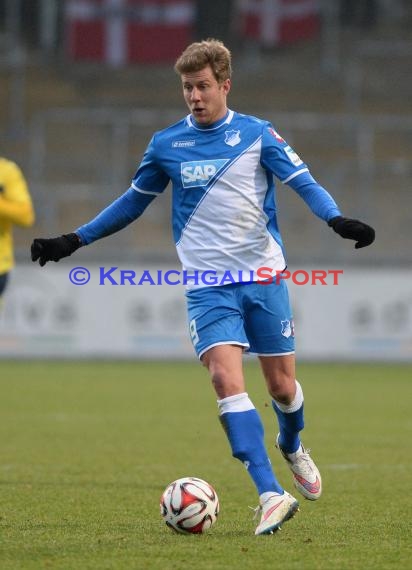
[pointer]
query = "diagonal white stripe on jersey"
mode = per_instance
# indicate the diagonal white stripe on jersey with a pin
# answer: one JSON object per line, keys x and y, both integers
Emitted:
{"x": 228, "y": 230}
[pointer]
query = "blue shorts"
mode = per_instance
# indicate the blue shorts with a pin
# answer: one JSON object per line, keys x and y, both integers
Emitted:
{"x": 255, "y": 316}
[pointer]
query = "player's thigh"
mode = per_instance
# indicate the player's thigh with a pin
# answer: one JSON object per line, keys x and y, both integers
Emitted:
{"x": 215, "y": 319}
{"x": 268, "y": 319}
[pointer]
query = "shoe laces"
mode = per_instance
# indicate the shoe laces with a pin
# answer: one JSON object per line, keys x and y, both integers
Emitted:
{"x": 304, "y": 456}
{"x": 257, "y": 511}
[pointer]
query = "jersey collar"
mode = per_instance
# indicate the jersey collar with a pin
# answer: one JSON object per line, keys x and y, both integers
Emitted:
{"x": 225, "y": 121}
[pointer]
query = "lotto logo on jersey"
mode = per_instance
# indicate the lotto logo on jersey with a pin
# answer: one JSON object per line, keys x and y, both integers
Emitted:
{"x": 201, "y": 172}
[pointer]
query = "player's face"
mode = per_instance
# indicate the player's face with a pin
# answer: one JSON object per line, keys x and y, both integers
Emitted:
{"x": 205, "y": 96}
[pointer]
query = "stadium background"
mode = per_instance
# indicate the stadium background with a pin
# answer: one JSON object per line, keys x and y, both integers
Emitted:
{"x": 84, "y": 83}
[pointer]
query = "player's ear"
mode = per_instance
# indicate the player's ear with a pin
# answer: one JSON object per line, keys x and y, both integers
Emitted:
{"x": 226, "y": 85}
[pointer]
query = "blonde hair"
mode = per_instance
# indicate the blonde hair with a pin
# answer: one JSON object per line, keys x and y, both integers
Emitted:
{"x": 199, "y": 55}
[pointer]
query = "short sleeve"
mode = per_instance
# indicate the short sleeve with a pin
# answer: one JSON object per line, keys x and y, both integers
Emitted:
{"x": 278, "y": 157}
{"x": 150, "y": 178}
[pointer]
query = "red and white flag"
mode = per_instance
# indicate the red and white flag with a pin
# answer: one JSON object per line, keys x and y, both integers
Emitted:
{"x": 275, "y": 22}
{"x": 119, "y": 32}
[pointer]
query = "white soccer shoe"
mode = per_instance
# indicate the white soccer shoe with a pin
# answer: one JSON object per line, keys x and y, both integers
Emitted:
{"x": 306, "y": 476}
{"x": 276, "y": 510}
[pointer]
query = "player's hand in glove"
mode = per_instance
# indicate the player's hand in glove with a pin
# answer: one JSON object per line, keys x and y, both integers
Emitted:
{"x": 53, "y": 249}
{"x": 347, "y": 228}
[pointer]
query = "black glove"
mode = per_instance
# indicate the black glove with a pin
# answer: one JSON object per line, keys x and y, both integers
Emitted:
{"x": 353, "y": 229}
{"x": 54, "y": 249}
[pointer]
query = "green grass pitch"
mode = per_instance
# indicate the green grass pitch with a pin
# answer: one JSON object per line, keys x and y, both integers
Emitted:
{"x": 87, "y": 448}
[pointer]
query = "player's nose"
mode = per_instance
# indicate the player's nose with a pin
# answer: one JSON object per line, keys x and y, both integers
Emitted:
{"x": 195, "y": 94}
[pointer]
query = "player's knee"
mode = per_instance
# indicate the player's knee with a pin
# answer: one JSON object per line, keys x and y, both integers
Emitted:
{"x": 284, "y": 397}
{"x": 282, "y": 389}
{"x": 224, "y": 380}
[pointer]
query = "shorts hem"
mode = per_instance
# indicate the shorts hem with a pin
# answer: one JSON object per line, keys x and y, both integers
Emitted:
{"x": 272, "y": 353}
{"x": 235, "y": 342}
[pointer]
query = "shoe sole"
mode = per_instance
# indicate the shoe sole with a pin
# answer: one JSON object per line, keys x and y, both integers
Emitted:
{"x": 293, "y": 509}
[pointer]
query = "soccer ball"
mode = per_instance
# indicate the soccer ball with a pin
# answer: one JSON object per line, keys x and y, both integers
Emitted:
{"x": 189, "y": 505}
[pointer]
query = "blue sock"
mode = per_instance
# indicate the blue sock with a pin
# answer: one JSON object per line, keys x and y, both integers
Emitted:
{"x": 291, "y": 421}
{"x": 244, "y": 430}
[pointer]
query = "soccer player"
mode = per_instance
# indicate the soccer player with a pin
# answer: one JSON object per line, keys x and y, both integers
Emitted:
{"x": 16, "y": 208}
{"x": 222, "y": 165}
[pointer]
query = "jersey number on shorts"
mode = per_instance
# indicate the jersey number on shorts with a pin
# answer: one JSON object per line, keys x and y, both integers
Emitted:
{"x": 193, "y": 332}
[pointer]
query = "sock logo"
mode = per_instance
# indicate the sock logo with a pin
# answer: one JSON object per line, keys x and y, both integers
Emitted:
{"x": 246, "y": 464}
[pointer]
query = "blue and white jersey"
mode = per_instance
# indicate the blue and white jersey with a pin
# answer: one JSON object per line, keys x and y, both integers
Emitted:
{"x": 224, "y": 206}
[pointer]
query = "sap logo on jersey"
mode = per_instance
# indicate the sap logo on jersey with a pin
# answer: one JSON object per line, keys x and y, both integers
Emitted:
{"x": 201, "y": 172}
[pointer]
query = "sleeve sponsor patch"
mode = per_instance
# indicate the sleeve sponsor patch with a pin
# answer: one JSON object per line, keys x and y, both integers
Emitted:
{"x": 293, "y": 157}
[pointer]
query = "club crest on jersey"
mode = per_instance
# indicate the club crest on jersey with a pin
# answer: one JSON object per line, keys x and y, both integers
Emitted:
{"x": 287, "y": 328}
{"x": 200, "y": 172}
{"x": 232, "y": 138}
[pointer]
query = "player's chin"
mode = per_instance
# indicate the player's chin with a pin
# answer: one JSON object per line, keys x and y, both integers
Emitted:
{"x": 200, "y": 116}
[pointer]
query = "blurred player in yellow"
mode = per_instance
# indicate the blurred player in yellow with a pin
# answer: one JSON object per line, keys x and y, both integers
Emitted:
{"x": 16, "y": 208}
